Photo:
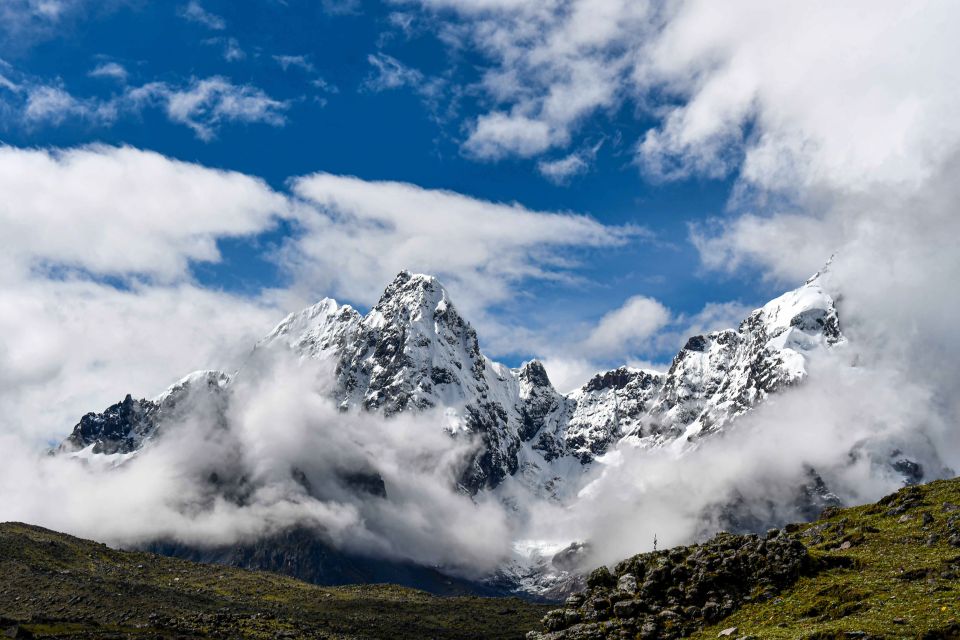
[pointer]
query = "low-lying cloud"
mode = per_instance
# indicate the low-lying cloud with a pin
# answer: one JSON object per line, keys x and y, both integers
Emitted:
{"x": 277, "y": 454}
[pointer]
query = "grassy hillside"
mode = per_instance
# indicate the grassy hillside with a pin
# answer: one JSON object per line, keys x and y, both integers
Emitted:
{"x": 886, "y": 570}
{"x": 57, "y": 586}
{"x": 903, "y": 580}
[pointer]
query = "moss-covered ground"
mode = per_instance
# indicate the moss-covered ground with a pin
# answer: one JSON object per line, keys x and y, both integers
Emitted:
{"x": 902, "y": 578}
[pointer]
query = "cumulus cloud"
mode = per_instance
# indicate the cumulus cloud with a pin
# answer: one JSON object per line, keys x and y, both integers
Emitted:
{"x": 295, "y": 476}
{"x": 549, "y": 66}
{"x": 121, "y": 210}
{"x": 623, "y": 329}
{"x": 796, "y": 97}
{"x": 561, "y": 170}
{"x": 106, "y": 302}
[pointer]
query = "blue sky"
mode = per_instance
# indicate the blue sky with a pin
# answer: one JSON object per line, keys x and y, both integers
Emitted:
{"x": 342, "y": 116}
{"x": 592, "y": 179}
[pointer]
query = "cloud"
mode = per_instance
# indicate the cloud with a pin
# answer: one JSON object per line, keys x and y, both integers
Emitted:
{"x": 300, "y": 62}
{"x": 120, "y": 210}
{"x": 497, "y": 135}
{"x": 24, "y": 22}
{"x": 548, "y": 66}
{"x": 389, "y": 73}
{"x": 194, "y": 12}
{"x": 202, "y": 104}
{"x": 561, "y": 170}
{"x": 625, "y": 329}
{"x": 341, "y": 7}
{"x": 832, "y": 122}
{"x": 105, "y": 304}
{"x": 109, "y": 70}
{"x": 295, "y": 476}
{"x": 206, "y": 103}
{"x": 833, "y": 153}
{"x": 232, "y": 51}
{"x": 132, "y": 225}
{"x": 358, "y": 234}
{"x": 767, "y": 96}
{"x": 52, "y": 105}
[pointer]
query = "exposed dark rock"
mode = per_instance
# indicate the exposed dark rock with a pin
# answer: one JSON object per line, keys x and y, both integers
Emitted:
{"x": 679, "y": 589}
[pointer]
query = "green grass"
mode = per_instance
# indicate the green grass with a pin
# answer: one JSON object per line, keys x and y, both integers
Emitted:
{"x": 54, "y": 585}
{"x": 896, "y": 585}
{"x": 882, "y": 577}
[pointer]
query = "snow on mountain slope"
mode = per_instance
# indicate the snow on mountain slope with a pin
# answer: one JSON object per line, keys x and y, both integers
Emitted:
{"x": 317, "y": 331}
{"x": 719, "y": 376}
{"x": 413, "y": 351}
{"x": 126, "y": 426}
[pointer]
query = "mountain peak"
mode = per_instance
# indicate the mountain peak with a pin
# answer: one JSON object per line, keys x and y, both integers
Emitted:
{"x": 534, "y": 373}
{"x": 406, "y": 282}
{"x": 414, "y": 299}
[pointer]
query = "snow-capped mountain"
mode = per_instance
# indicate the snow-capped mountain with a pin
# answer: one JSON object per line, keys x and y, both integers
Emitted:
{"x": 413, "y": 352}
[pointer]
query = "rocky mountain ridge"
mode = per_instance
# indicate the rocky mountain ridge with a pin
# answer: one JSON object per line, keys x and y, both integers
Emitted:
{"x": 414, "y": 352}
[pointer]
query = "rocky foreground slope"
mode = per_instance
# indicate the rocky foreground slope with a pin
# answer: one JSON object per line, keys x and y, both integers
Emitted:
{"x": 886, "y": 570}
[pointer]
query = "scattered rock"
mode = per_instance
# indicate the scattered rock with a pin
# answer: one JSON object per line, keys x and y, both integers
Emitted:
{"x": 673, "y": 593}
{"x": 627, "y": 583}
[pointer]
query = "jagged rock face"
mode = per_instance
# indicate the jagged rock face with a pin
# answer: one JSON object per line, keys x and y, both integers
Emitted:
{"x": 120, "y": 428}
{"x": 719, "y": 376}
{"x": 125, "y": 426}
{"x": 414, "y": 352}
{"x": 608, "y": 406}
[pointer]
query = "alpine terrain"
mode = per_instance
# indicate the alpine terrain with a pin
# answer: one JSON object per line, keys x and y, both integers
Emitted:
{"x": 413, "y": 352}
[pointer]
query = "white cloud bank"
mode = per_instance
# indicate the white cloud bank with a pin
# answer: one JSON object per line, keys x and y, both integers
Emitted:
{"x": 836, "y": 123}
{"x": 359, "y": 234}
{"x": 98, "y": 300}
{"x": 98, "y": 297}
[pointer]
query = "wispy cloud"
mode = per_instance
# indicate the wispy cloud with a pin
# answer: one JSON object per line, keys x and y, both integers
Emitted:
{"x": 203, "y": 104}
{"x": 341, "y": 7}
{"x": 194, "y": 12}
{"x": 288, "y": 62}
{"x": 112, "y": 70}
{"x": 48, "y": 104}
{"x": 389, "y": 73}
{"x": 561, "y": 170}
{"x": 358, "y": 233}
